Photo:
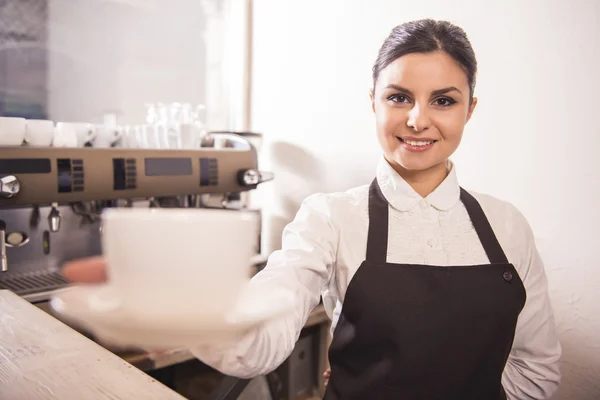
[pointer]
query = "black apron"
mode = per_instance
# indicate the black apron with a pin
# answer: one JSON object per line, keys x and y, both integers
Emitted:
{"x": 425, "y": 332}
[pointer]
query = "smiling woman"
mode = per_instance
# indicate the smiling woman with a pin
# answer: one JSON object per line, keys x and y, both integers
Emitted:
{"x": 436, "y": 292}
{"x": 423, "y": 95}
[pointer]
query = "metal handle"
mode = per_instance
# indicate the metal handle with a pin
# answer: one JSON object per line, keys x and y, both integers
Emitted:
{"x": 225, "y": 140}
{"x": 9, "y": 186}
{"x": 252, "y": 177}
{"x": 3, "y": 259}
{"x": 54, "y": 219}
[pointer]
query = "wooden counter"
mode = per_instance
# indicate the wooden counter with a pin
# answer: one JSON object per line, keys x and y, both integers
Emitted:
{"x": 42, "y": 358}
{"x": 148, "y": 362}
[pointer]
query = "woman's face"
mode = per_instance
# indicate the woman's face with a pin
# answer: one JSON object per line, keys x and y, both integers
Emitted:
{"x": 421, "y": 105}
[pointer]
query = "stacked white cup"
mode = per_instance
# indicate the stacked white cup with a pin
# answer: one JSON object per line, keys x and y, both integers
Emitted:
{"x": 12, "y": 131}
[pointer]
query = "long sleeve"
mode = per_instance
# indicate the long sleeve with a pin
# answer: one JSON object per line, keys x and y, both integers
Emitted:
{"x": 303, "y": 266}
{"x": 532, "y": 371}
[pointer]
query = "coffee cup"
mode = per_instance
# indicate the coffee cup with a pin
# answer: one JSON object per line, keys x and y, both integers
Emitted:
{"x": 85, "y": 133}
{"x": 65, "y": 135}
{"x": 39, "y": 132}
{"x": 178, "y": 263}
{"x": 12, "y": 131}
{"x": 107, "y": 136}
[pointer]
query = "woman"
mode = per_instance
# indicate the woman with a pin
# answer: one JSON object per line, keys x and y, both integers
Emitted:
{"x": 435, "y": 292}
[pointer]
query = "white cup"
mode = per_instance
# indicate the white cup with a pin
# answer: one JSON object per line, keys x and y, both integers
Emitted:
{"x": 130, "y": 139}
{"x": 12, "y": 131}
{"x": 85, "y": 133}
{"x": 39, "y": 132}
{"x": 178, "y": 263}
{"x": 152, "y": 136}
{"x": 191, "y": 136}
{"x": 164, "y": 136}
{"x": 107, "y": 136}
{"x": 65, "y": 135}
{"x": 138, "y": 137}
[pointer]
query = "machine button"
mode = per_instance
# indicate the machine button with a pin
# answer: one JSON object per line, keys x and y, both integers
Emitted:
{"x": 63, "y": 170}
{"x": 119, "y": 177}
{"x": 209, "y": 172}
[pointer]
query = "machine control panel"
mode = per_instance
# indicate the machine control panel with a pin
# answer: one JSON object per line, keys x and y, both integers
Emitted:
{"x": 124, "y": 174}
{"x": 69, "y": 173}
{"x": 65, "y": 175}
{"x": 209, "y": 172}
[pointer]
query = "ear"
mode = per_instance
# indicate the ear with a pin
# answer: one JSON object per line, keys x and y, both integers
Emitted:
{"x": 372, "y": 100}
{"x": 472, "y": 108}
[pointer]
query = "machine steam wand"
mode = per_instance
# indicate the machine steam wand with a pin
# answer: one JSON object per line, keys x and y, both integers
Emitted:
{"x": 4, "y": 260}
{"x": 9, "y": 187}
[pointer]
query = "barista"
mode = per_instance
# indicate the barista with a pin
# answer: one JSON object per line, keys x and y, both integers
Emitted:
{"x": 436, "y": 292}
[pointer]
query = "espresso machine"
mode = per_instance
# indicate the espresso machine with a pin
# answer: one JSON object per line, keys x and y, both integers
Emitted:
{"x": 51, "y": 199}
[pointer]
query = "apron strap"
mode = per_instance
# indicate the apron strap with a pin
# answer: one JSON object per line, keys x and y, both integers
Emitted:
{"x": 377, "y": 239}
{"x": 483, "y": 228}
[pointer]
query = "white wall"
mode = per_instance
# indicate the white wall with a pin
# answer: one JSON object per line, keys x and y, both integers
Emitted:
{"x": 114, "y": 56}
{"x": 533, "y": 140}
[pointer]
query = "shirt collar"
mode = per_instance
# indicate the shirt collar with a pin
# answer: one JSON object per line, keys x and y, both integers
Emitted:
{"x": 402, "y": 196}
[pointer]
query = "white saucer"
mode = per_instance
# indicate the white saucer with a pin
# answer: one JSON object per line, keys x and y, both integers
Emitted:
{"x": 97, "y": 309}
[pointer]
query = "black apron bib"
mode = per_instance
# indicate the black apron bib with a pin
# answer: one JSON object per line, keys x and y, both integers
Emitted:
{"x": 425, "y": 332}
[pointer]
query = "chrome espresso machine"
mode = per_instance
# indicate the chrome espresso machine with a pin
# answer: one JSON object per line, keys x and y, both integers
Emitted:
{"x": 51, "y": 198}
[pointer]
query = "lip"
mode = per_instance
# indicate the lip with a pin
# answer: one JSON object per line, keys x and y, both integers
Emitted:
{"x": 416, "y": 149}
{"x": 419, "y": 139}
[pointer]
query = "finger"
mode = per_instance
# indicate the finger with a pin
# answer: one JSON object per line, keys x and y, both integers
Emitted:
{"x": 87, "y": 270}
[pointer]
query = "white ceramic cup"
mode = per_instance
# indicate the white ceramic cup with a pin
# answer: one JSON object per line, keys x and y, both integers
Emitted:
{"x": 129, "y": 139}
{"x": 190, "y": 136}
{"x": 178, "y": 263}
{"x": 65, "y": 135}
{"x": 152, "y": 136}
{"x": 12, "y": 131}
{"x": 107, "y": 136}
{"x": 39, "y": 132}
{"x": 85, "y": 133}
{"x": 138, "y": 137}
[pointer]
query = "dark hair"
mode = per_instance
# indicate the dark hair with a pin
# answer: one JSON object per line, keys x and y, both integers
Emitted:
{"x": 427, "y": 36}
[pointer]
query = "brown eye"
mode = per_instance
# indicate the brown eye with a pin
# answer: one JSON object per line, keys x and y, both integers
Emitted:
{"x": 398, "y": 98}
{"x": 444, "y": 102}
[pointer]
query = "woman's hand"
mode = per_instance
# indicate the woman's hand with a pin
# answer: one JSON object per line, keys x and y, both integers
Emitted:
{"x": 326, "y": 375}
{"x": 86, "y": 270}
{"x": 93, "y": 270}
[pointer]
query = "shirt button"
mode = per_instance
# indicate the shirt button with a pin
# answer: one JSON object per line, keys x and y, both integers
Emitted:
{"x": 423, "y": 204}
{"x": 431, "y": 242}
{"x": 507, "y": 275}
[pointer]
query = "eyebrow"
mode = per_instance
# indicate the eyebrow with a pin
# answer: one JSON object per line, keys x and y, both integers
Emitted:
{"x": 434, "y": 93}
{"x": 445, "y": 90}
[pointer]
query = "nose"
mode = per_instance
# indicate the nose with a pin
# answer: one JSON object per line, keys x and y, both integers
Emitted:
{"x": 418, "y": 119}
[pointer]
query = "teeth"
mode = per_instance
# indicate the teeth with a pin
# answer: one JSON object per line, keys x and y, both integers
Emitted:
{"x": 418, "y": 142}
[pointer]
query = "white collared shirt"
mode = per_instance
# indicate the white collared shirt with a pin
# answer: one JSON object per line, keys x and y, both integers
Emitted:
{"x": 325, "y": 244}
